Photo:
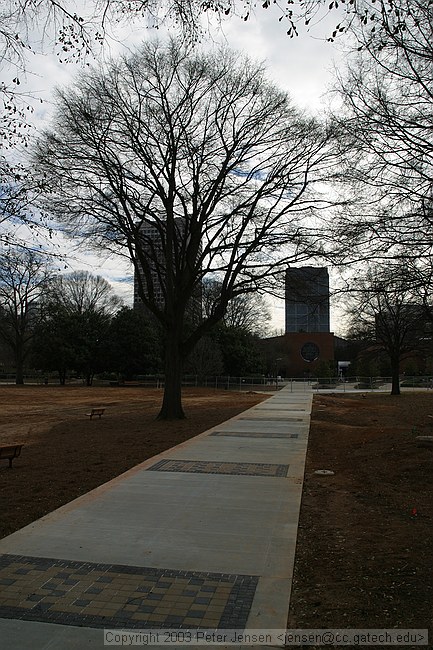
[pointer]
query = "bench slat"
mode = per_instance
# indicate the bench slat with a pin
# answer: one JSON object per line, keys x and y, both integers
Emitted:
{"x": 96, "y": 411}
{"x": 9, "y": 452}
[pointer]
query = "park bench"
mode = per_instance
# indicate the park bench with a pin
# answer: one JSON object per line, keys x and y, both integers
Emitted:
{"x": 10, "y": 452}
{"x": 425, "y": 441}
{"x": 99, "y": 412}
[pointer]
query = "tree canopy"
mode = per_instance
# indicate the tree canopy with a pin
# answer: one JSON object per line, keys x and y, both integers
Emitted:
{"x": 187, "y": 162}
{"x": 387, "y": 315}
{"x": 386, "y": 116}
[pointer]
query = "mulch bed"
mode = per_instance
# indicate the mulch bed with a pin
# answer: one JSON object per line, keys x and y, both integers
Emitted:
{"x": 365, "y": 552}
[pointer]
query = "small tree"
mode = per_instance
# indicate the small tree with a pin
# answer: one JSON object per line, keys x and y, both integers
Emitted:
{"x": 24, "y": 280}
{"x": 55, "y": 343}
{"x": 240, "y": 351}
{"x": 188, "y": 163}
{"x": 81, "y": 291}
{"x": 384, "y": 311}
{"x": 74, "y": 332}
{"x": 134, "y": 344}
{"x": 206, "y": 358}
{"x": 248, "y": 311}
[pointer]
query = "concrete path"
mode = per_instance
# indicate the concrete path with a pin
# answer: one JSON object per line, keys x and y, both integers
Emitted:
{"x": 200, "y": 537}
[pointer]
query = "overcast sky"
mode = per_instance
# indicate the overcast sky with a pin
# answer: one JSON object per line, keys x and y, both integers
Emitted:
{"x": 302, "y": 66}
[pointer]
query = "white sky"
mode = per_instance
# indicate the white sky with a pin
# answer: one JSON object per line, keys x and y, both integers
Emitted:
{"x": 302, "y": 66}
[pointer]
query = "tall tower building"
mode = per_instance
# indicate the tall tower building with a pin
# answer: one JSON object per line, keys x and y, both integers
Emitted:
{"x": 151, "y": 246}
{"x": 307, "y": 346}
{"x": 307, "y": 300}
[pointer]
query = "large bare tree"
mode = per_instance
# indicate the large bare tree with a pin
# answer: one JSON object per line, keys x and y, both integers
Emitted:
{"x": 386, "y": 115}
{"x": 76, "y": 30}
{"x": 187, "y": 163}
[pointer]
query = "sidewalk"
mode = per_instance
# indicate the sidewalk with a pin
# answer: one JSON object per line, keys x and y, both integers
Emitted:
{"x": 201, "y": 536}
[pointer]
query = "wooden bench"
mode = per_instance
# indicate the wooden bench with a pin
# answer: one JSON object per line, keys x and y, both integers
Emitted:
{"x": 425, "y": 441}
{"x": 10, "y": 452}
{"x": 99, "y": 412}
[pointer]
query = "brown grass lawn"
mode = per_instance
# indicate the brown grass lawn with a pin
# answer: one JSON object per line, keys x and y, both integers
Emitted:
{"x": 66, "y": 454}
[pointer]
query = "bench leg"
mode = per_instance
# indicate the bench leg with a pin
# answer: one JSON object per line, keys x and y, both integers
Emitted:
{"x": 10, "y": 462}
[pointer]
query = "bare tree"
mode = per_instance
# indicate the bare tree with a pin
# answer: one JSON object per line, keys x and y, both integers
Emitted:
{"x": 24, "y": 278}
{"x": 387, "y": 122}
{"x": 187, "y": 163}
{"x": 386, "y": 313}
{"x": 249, "y": 311}
{"x": 75, "y": 31}
{"x": 81, "y": 291}
{"x": 74, "y": 330}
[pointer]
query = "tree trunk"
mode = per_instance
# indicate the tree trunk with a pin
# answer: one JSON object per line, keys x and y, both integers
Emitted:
{"x": 19, "y": 375}
{"x": 395, "y": 374}
{"x": 19, "y": 367}
{"x": 171, "y": 408}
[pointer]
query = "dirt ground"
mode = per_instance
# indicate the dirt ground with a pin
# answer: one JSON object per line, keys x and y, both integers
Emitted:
{"x": 365, "y": 550}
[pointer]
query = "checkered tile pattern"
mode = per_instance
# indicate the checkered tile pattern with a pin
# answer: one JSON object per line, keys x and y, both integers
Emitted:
{"x": 213, "y": 467}
{"x": 99, "y": 595}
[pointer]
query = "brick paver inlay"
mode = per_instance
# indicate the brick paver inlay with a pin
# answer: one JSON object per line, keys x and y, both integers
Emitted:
{"x": 86, "y": 594}
{"x": 277, "y": 418}
{"x": 220, "y": 467}
{"x": 254, "y": 434}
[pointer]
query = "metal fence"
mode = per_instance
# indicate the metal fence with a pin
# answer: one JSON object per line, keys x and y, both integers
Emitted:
{"x": 261, "y": 383}
{"x": 255, "y": 383}
{"x": 363, "y": 384}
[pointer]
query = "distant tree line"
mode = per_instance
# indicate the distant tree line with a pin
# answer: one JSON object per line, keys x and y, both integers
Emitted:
{"x": 74, "y": 324}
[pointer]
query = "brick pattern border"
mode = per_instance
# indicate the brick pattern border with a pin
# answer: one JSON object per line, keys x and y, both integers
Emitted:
{"x": 254, "y": 434}
{"x": 219, "y": 467}
{"x": 268, "y": 418}
{"x": 87, "y": 594}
